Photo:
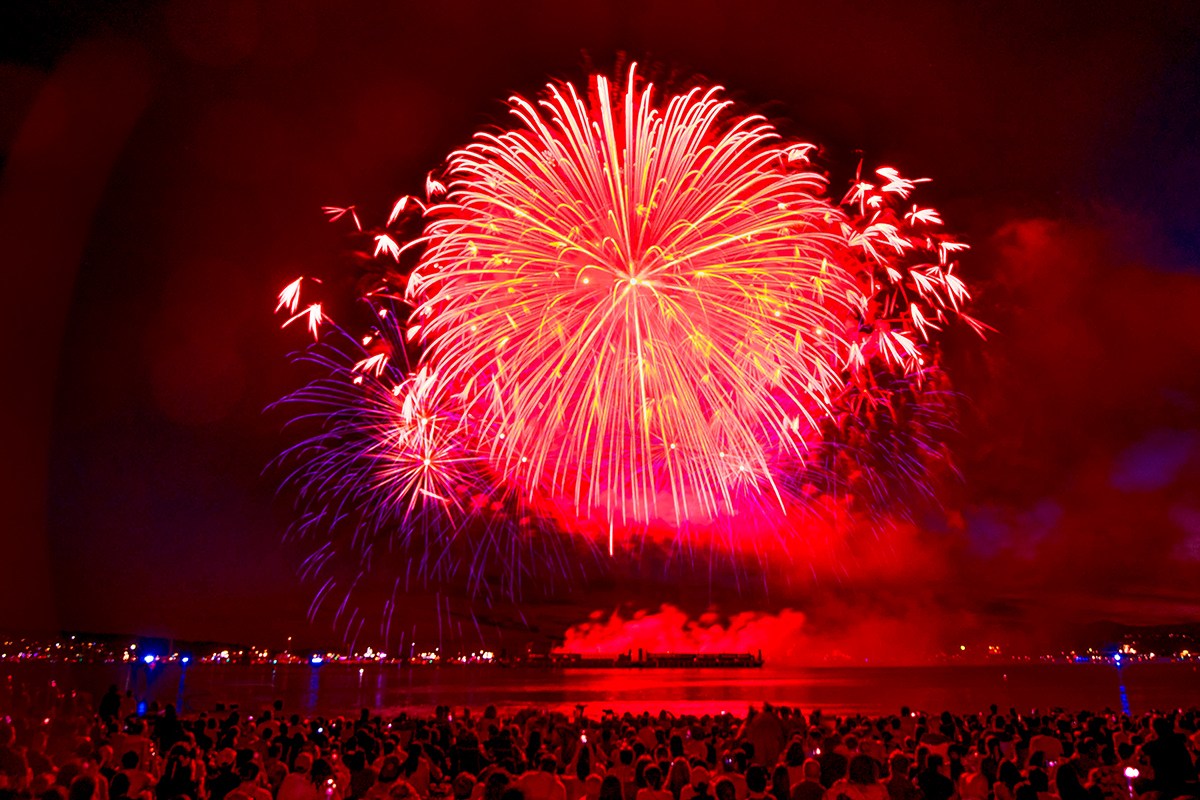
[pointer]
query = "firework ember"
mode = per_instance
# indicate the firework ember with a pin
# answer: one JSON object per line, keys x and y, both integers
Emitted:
{"x": 633, "y": 310}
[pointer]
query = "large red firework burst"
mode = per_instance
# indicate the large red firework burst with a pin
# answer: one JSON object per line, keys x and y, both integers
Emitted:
{"x": 627, "y": 310}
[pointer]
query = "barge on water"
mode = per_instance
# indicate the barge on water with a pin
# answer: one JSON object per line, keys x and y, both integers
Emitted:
{"x": 646, "y": 660}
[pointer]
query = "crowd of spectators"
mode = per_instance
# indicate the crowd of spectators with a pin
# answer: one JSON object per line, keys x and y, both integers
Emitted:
{"x": 60, "y": 745}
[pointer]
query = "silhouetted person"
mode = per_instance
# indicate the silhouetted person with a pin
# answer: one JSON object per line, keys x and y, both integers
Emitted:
{"x": 833, "y": 763}
{"x": 118, "y": 787}
{"x": 610, "y": 788}
{"x": 110, "y": 703}
{"x": 1066, "y": 780}
{"x": 781, "y": 783}
{"x": 932, "y": 783}
{"x": 179, "y": 776}
{"x": 898, "y": 785}
{"x": 1168, "y": 754}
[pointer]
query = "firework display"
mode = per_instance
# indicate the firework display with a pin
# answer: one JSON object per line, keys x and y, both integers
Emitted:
{"x": 624, "y": 311}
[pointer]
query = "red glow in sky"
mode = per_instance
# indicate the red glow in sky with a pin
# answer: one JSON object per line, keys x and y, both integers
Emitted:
{"x": 164, "y": 173}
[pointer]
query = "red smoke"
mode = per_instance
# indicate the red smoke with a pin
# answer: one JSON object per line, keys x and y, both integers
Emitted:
{"x": 670, "y": 629}
{"x": 786, "y": 637}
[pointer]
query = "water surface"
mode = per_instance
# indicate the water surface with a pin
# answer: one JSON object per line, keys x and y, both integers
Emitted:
{"x": 338, "y": 689}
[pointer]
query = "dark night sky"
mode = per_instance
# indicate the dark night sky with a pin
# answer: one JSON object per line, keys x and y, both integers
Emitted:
{"x": 164, "y": 166}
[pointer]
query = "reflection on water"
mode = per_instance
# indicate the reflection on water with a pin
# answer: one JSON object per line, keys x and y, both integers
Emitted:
{"x": 314, "y": 689}
{"x": 344, "y": 689}
{"x": 1124, "y": 694}
{"x": 181, "y": 687}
